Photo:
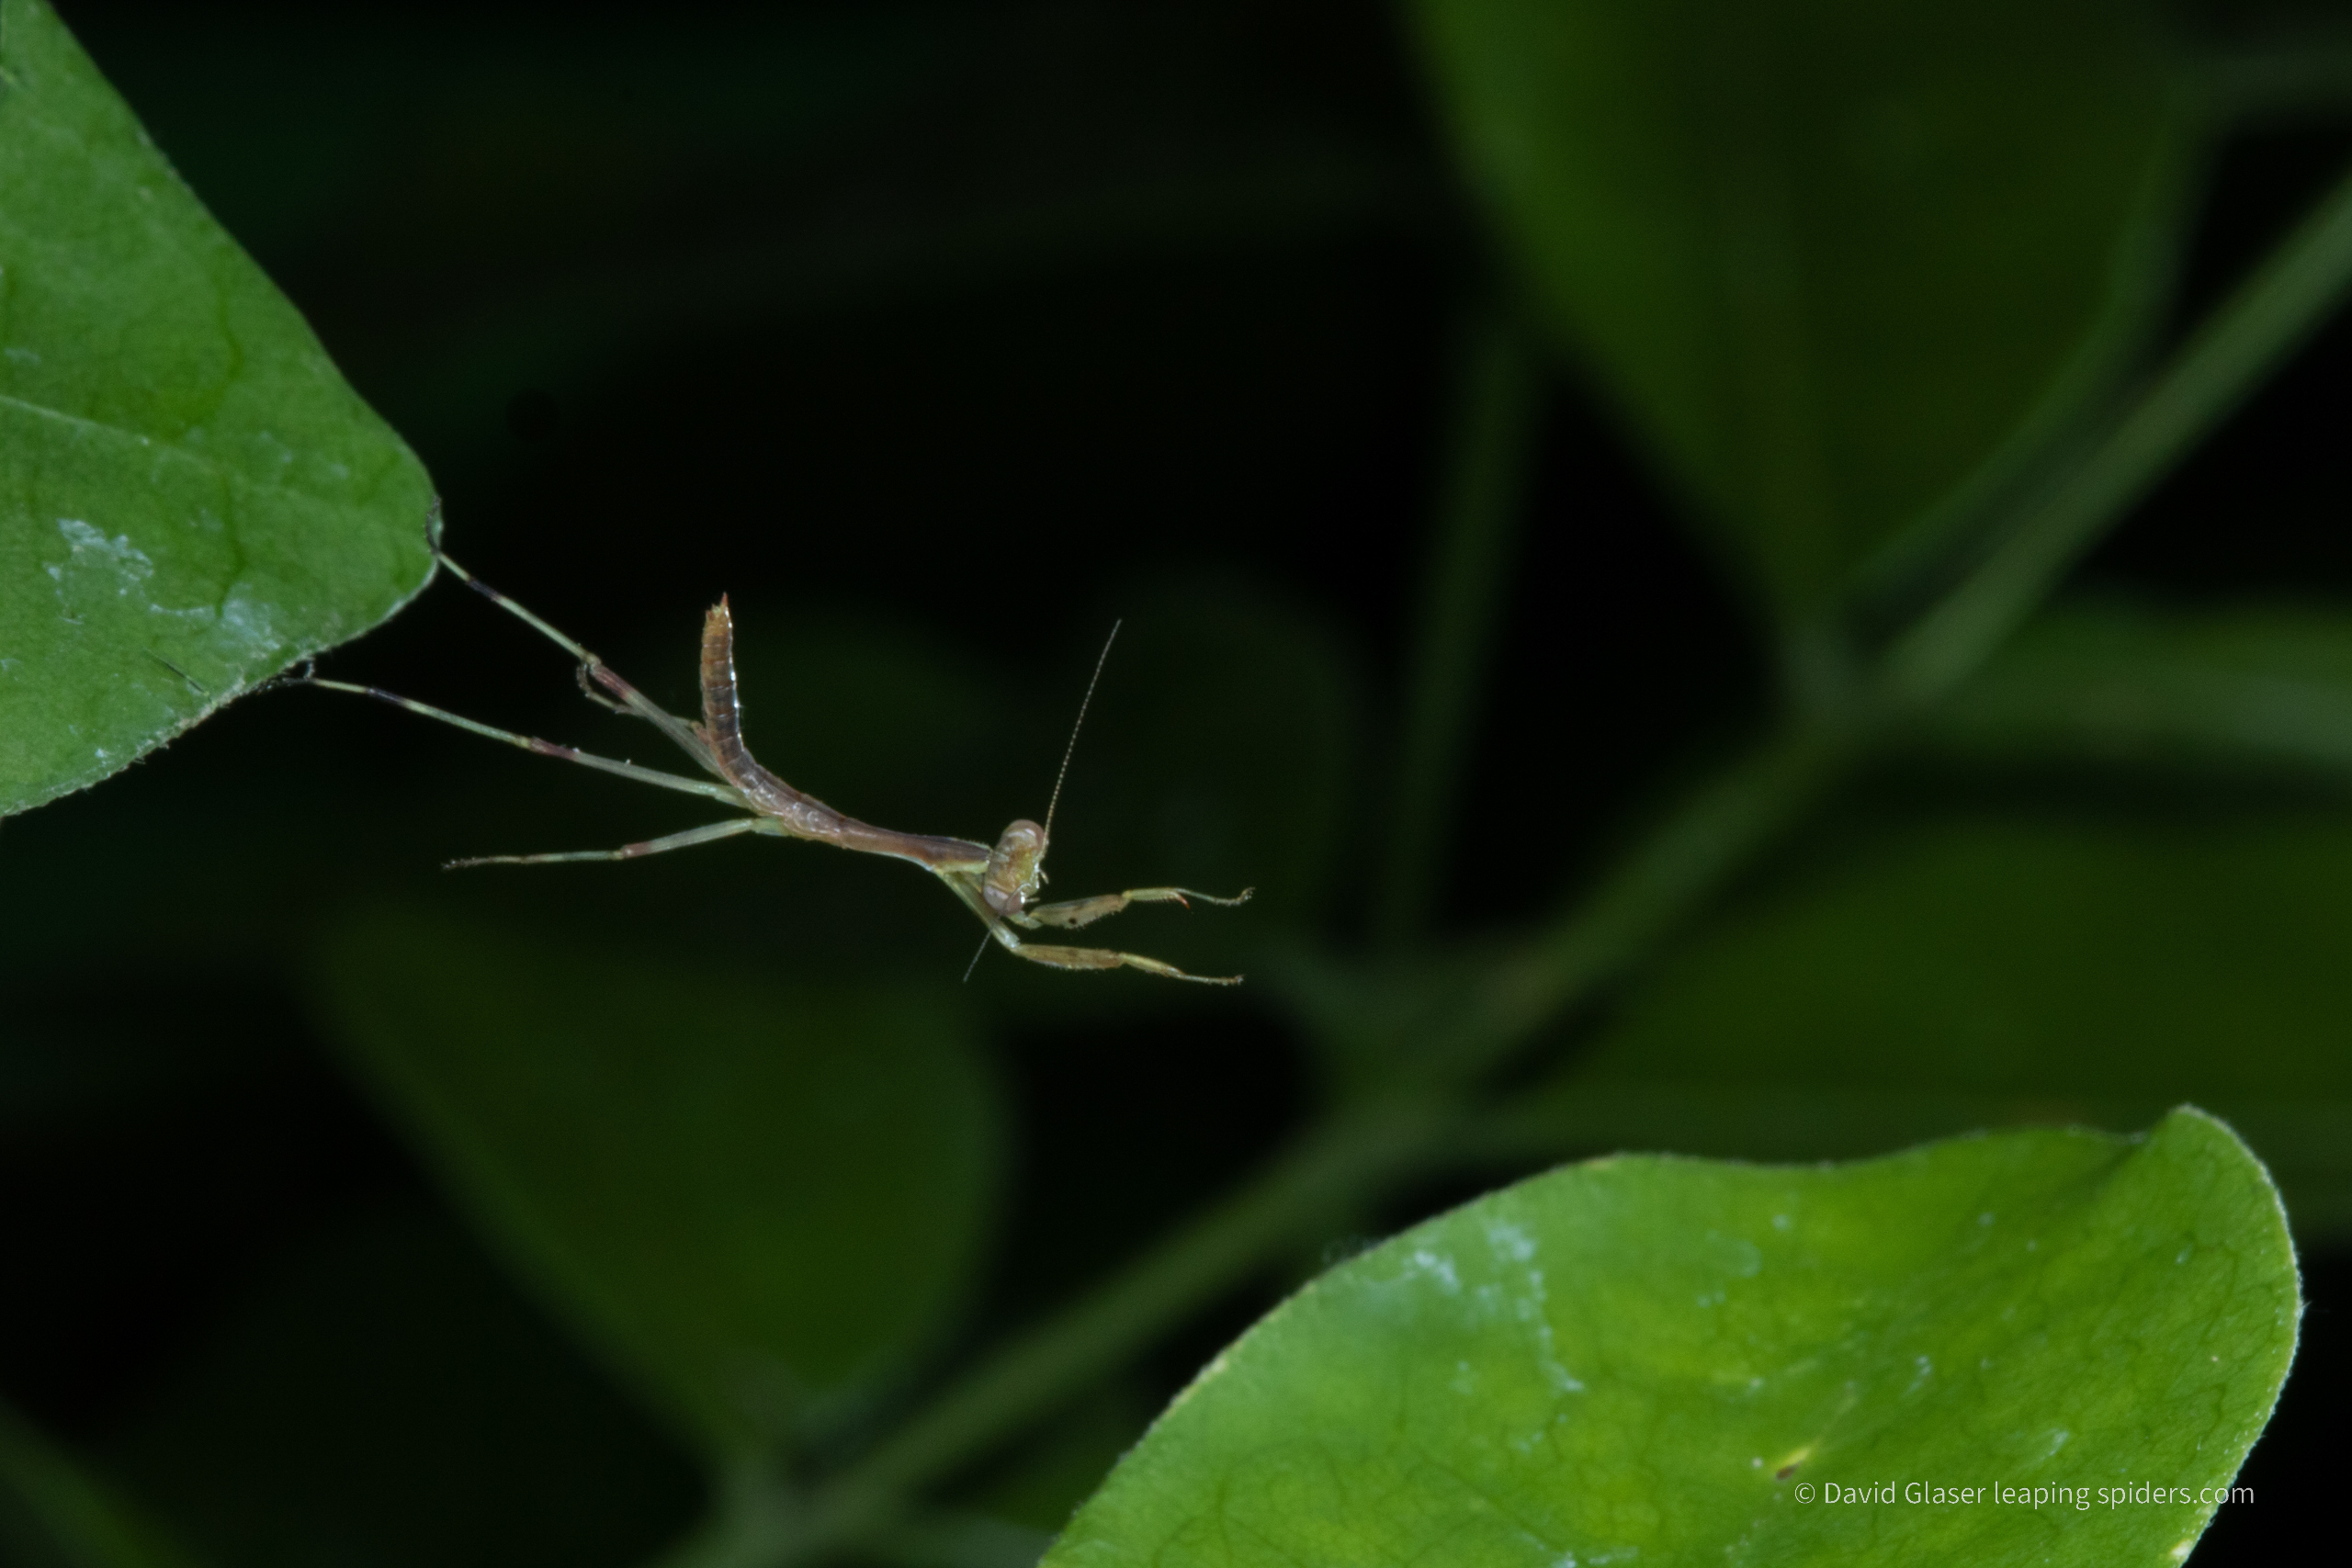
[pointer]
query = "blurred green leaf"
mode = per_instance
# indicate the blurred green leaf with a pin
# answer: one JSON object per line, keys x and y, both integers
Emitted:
{"x": 1835, "y": 261}
{"x": 1666, "y": 1358}
{"x": 2262, "y": 685}
{"x": 194, "y": 498}
{"x": 2236, "y": 345}
{"x": 388, "y": 1400}
{"x": 55, "y": 1513}
{"x": 758, "y": 1199}
{"x": 1938, "y": 976}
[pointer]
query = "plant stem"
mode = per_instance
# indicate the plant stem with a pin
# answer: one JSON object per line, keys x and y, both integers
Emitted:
{"x": 1681, "y": 866}
{"x": 947, "y": 1540}
{"x": 757, "y": 1521}
{"x": 1365, "y": 1148}
{"x": 1494, "y": 406}
{"x": 2293, "y": 291}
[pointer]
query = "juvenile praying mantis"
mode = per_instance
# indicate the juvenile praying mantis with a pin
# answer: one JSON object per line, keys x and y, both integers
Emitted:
{"x": 997, "y": 884}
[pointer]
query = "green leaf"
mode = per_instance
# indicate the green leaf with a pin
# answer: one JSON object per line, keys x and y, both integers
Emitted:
{"x": 1940, "y": 975}
{"x": 193, "y": 497}
{"x": 1833, "y": 261}
{"x": 55, "y": 1513}
{"x": 757, "y": 1201}
{"x": 2250, "y": 685}
{"x": 1666, "y": 1360}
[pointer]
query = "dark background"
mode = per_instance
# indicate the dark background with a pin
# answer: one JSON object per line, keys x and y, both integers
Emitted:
{"x": 982, "y": 325}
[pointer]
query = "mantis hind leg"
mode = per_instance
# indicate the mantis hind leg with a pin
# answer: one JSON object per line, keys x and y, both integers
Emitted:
{"x": 531, "y": 743}
{"x": 1079, "y": 912}
{"x": 663, "y": 845}
{"x": 1104, "y": 958}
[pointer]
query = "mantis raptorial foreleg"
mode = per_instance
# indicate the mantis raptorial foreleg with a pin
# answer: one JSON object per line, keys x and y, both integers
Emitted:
{"x": 1073, "y": 913}
{"x": 685, "y": 841}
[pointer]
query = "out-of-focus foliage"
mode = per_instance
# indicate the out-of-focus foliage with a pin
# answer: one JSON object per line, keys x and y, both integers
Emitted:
{"x": 195, "y": 498}
{"x": 1935, "y": 974}
{"x": 389, "y": 1397}
{"x": 757, "y": 1199}
{"x": 1842, "y": 264}
{"x": 54, "y": 1514}
{"x": 2254, "y": 688}
{"x": 1669, "y": 1359}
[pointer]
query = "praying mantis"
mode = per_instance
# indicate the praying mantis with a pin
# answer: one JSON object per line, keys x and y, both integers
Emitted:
{"x": 997, "y": 884}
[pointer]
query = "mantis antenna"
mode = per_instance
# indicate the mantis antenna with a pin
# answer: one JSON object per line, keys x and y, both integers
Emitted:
{"x": 1071, "y": 750}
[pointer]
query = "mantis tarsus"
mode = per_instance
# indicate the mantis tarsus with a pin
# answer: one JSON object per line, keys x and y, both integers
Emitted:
{"x": 997, "y": 884}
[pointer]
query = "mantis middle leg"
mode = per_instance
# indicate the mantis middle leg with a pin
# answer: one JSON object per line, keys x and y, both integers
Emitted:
{"x": 687, "y": 839}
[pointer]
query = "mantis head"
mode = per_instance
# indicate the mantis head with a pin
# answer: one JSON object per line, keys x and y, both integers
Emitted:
{"x": 1016, "y": 868}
